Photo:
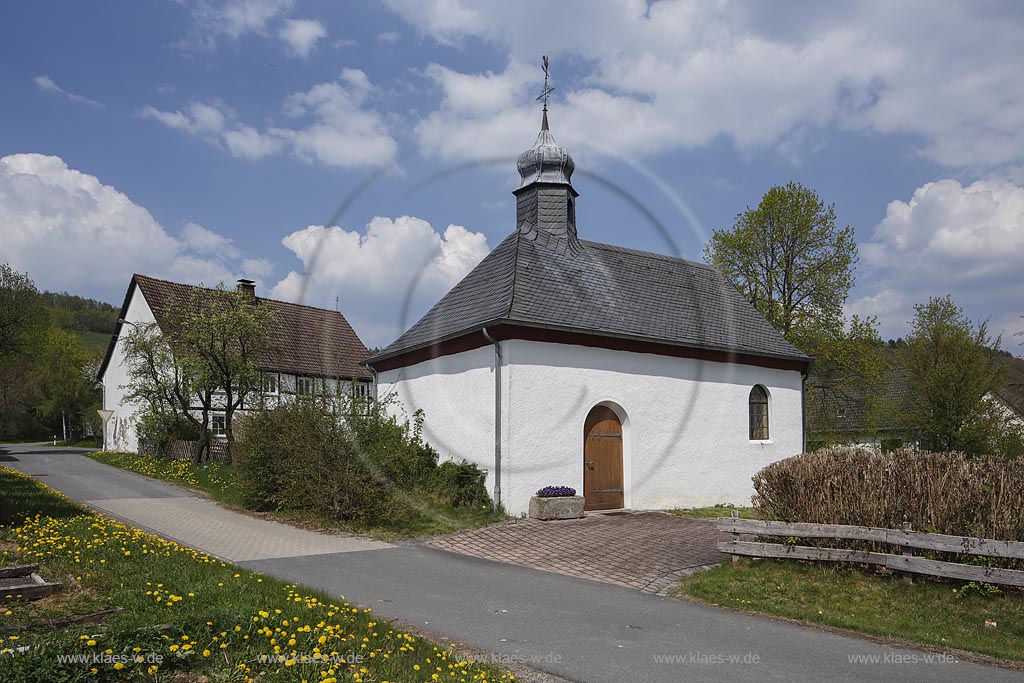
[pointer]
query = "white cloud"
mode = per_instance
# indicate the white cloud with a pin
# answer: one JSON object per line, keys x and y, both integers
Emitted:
{"x": 301, "y": 35}
{"x": 231, "y": 19}
{"x": 395, "y": 263}
{"x": 71, "y": 232}
{"x": 340, "y": 129}
{"x": 967, "y": 241}
{"x": 47, "y": 84}
{"x": 653, "y": 76}
{"x": 388, "y": 37}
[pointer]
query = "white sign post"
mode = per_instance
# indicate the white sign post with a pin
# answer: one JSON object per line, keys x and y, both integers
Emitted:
{"x": 105, "y": 415}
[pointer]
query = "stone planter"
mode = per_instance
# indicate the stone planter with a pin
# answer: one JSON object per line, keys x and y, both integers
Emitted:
{"x": 563, "y": 507}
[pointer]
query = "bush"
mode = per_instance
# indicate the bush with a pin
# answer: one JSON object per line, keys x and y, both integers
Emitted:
{"x": 946, "y": 493}
{"x": 345, "y": 460}
{"x": 461, "y": 484}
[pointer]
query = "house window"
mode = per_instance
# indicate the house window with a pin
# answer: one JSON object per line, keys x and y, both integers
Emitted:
{"x": 218, "y": 426}
{"x": 270, "y": 383}
{"x": 758, "y": 404}
{"x": 304, "y": 386}
{"x": 360, "y": 389}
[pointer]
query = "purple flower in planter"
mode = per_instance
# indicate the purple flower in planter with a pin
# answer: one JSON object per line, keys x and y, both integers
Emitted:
{"x": 556, "y": 492}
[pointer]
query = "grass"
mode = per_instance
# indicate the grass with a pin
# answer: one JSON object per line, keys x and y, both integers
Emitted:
{"x": 716, "y": 511}
{"x": 94, "y": 340}
{"x": 89, "y": 442}
{"x": 186, "y": 616}
{"x": 217, "y": 480}
{"x": 942, "y": 615}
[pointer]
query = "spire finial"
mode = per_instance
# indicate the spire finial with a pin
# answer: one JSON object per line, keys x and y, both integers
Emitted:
{"x": 546, "y": 92}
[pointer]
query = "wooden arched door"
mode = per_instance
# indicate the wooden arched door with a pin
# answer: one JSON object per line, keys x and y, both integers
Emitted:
{"x": 602, "y": 460}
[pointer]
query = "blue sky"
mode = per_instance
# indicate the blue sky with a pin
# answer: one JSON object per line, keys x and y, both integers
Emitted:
{"x": 205, "y": 141}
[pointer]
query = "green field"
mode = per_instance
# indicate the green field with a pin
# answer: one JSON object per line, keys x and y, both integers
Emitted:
{"x": 94, "y": 340}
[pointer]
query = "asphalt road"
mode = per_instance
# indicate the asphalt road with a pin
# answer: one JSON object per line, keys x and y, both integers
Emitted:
{"x": 577, "y": 629}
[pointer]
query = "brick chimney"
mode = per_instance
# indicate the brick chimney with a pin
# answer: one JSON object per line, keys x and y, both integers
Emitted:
{"x": 247, "y": 287}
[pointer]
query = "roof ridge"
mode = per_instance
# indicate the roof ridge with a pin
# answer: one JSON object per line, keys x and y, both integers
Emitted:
{"x": 641, "y": 252}
{"x": 214, "y": 289}
{"x": 515, "y": 274}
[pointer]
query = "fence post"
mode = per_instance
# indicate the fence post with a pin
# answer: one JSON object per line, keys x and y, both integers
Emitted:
{"x": 908, "y": 577}
{"x": 735, "y": 536}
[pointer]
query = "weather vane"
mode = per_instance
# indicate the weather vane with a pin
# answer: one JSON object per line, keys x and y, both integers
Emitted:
{"x": 543, "y": 97}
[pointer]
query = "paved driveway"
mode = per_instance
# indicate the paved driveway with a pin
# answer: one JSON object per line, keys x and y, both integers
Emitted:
{"x": 648, "y": 551}
{"x": 174, "y": 512}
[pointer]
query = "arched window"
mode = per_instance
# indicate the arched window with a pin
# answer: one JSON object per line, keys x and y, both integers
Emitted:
{"x": 758, "y": 403}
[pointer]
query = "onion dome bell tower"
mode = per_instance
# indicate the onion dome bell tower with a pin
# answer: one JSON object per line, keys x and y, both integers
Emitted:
{"x": 545, "y": 198}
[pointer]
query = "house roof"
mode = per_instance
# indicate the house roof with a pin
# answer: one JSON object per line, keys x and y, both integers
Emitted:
{"x": 849, "y": 409}
{"x": 303, "y": 340}
{"x": 1013, "y": 396}
{"x": 598, "y": 289}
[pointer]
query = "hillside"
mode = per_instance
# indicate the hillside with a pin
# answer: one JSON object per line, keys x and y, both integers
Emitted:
{"x": 93, "y": 321}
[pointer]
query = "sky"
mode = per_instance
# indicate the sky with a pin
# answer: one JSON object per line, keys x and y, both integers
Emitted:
{"x": 362, "y": 154}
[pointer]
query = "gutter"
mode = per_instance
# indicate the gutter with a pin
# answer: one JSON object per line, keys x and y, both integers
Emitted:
{"x": 497, "y": 415}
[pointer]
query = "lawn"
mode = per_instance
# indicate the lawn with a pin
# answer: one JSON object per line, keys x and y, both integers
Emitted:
{"x": 943, "y": 615}
{"x": 217, "y": 480}
{"x": 716, "y": 511}
{"x": 184, "y": 616}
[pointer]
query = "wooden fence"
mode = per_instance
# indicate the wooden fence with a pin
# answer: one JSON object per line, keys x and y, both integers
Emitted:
{"x": 906, "y": 538}
{"x": 186, "y": 450}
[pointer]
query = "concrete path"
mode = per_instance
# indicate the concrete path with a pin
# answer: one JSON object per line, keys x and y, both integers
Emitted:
{"x": 174, "y": 512}
{"x": 581, "y": 630}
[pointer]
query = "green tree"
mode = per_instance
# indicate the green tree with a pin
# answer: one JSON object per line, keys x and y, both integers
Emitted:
{"x": 60, "y": 374}
{"x": 953, "y": 365}
{"x": 175, "y": 403}
{"x": 222, "y": 335}
{"x": 790, "y": 259}
{"x": 23, "y": 325}
{"x": 205, "y": 357}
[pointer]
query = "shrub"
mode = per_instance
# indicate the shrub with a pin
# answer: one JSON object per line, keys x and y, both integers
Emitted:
{"x": 345, "y": 460}
{"x": 304, "y": 455}
{"x": 461, "y": 484}
{"x": 556, "y": 492}
{"x": 946, "y": 493}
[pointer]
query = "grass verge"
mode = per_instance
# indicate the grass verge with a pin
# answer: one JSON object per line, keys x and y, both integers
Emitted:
{"x": 941, "y": 615}
{"x": 716, "y": 511}
{"x": 431, "y": 518}
{"x": 185, "y": 615}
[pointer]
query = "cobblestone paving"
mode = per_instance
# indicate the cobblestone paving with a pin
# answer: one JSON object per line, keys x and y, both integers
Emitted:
{"x": 647, "y": 551}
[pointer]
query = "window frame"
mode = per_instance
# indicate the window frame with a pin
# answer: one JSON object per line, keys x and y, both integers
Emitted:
{"x": 759, "y": 422}
{"x": 215, "y": 432}
{"x": 304, "y": 386}
{"x": 275, "y": 377}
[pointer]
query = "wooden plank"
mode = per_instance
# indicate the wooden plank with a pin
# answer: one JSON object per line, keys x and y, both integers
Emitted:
{"x": 800, "y": 552}
{"x": 914, "y": 539}
{"x": 969, "y": 545}
{"x": 17, "y": 570}
{"x": 953, "y": 570}
{"x": 802, "y": 529}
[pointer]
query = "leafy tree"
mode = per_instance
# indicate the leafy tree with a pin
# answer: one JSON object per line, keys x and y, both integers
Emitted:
{"x": 60, "y": 375}
{"x": 205, "y": 358}
{"x": 953, "y": 365}
{"x": 23, "y": 324}
{"x": 221, "y": 335}
{"x": 789, "y": 259}
{"x": 175, "y": 403}
{"x": 792, "y": 261}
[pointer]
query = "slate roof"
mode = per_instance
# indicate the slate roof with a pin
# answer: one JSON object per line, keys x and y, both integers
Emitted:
{"x": 846, "y": 410}
{"x": 303, "y": 340}
{"x": 598, "y": 289}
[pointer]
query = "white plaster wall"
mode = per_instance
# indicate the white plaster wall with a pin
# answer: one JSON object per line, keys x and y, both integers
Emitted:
{"x": 456, "y": 395}
{"x": 685, "y": 421}
{"x": 120, "y": 430}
